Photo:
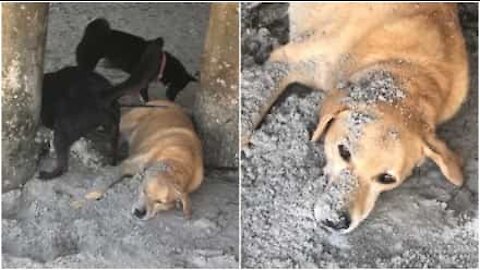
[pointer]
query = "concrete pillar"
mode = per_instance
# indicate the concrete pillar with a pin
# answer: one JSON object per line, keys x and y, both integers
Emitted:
{"x": 23, "y": 40}
{"x": 216, "y": 103}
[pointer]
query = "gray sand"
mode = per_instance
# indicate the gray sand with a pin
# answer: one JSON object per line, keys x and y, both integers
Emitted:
{"x": 49, "y": 224}
{"x": 378, "y": 86}
{"x": 424, "y": 223}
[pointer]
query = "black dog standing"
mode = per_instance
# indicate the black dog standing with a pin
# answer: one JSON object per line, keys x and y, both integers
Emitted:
{"x": 123, "y": 51}
{"x": 75, "y": 101}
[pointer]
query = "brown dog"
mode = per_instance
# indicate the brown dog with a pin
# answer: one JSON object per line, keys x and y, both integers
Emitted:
{"x": 392, "y": 72}
{"x": 165, "y": 149}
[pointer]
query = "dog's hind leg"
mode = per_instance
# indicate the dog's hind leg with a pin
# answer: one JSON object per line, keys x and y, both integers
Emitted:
{"x": 144, "y": 94}
{"x": 114, "y": 122}
{"x": 172, "y": 92}
{"x": 62, "y": 145}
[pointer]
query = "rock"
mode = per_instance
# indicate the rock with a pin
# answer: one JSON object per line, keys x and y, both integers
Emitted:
{"x": 24, "y": 29}
{"x": 216, "y": 102}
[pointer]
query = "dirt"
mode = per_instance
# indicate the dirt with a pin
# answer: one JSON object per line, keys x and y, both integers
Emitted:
{"x": 426, "y": 222}
{"x": 378, "y": 86}
{"x": 50, "y": 224}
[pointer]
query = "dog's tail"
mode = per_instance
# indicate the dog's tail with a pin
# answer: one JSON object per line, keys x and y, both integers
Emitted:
{"x": 195, "y": 77}
{"x": 145, "y": 71}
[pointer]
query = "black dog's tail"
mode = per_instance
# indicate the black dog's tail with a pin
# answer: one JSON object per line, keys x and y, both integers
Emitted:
{"x": 194, "y": 78}
{"x": 145, "y": 71}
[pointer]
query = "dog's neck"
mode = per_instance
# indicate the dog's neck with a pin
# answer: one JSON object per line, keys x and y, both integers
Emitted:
{"x": 176, "y": 169}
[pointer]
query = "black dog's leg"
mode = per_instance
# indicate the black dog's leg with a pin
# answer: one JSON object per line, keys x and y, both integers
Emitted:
{"x": 114, "y": 137}
{"x": 172, "y": 92}
{"x": 144, "y": 94}
{"x": 62, "y": 149}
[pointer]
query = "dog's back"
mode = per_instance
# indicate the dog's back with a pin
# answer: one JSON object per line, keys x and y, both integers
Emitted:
{"x": 121, "y": 50}
{"x": 124, "y": 50}
{"x": 344, "y": 38}
{"x": 70, "y": 91}
{"x": 163, "y": 132}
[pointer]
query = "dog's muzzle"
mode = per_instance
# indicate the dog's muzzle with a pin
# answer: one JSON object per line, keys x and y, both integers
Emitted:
{"x": 339, "y": 224}
{"x": 331, "y": 208}
{"x": 139, "y": 213}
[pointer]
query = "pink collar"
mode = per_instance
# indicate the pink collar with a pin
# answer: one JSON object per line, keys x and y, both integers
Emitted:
{"x": 163, "y": 63}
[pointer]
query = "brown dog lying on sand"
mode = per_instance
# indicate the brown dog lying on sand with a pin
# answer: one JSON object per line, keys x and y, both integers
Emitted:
{"x": 165, "y": 150}
{"x": 392, "y": 72}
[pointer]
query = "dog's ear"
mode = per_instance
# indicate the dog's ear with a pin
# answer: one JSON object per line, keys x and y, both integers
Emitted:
{"x": 331, "y": 107}
{"x": 449, "y": 163}
{"x": 183, "y": 196}
{"x": 187, "y": 206}
{"x": 159, "y": 42}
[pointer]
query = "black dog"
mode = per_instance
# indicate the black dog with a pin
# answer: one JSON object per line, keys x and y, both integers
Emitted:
{"x": 76, "y": 101}
{"x": 123, "y": 50}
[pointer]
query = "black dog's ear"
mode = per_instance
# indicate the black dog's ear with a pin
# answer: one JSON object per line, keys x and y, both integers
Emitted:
{"x": 159, "y": 41}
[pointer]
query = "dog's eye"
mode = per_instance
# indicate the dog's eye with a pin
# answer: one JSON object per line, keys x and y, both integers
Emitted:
{"x": 386, "y": 178}
{"x": 344, "y": 153}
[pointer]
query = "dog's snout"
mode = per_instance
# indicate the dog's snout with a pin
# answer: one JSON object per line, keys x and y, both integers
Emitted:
{"x": 139, "y": 213}
{"x": 341, "y": 223}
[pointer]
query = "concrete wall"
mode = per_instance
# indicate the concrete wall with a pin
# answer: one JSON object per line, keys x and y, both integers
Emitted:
{"x": 23, "y": 41}
{"x": 216, "y": 103}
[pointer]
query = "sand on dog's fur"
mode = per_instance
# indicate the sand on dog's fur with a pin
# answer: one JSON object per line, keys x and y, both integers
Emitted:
{"x": 425, "y": 223}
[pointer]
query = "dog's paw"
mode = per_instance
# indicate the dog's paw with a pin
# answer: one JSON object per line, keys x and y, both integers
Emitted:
{"x": 94, "y": 195}
{"x": 188, "y": 216}
{"x": 43, "y": 175}
{"x": 187, "y": 213}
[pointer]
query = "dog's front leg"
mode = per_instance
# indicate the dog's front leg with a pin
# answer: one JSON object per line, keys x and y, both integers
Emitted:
{"x": 280, "y": 87}
{"x": 127, "y": 169}
{"x": 132, "y": 166}
{"x": 62, "y": 149}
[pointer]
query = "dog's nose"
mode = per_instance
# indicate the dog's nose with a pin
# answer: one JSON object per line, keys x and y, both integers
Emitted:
{"x": 342, "y": 223}
{"x": 139, "y": 213}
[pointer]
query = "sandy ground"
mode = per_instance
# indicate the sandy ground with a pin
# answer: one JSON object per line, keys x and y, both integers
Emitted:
{"x": 48, "y": 224}
{"x": 424, "y": 223}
